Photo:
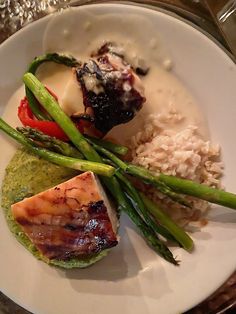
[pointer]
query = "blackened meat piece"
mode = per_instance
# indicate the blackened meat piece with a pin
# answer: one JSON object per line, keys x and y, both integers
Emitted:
{"x": 111, "y": 89}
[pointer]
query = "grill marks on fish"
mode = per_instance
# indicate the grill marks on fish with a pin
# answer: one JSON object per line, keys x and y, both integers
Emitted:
{"x": 78, "y": 233}
{"x": 70, "y": 220}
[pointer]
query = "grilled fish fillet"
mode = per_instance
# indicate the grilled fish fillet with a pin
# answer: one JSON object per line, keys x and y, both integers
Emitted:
{"x": 73, "y": 219}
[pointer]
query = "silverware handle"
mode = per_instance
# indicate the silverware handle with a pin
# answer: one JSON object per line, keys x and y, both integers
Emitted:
{"x": 224, "y": 14}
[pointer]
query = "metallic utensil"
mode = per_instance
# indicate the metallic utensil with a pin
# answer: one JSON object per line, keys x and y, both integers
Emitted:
{"x": 224, "y": 14}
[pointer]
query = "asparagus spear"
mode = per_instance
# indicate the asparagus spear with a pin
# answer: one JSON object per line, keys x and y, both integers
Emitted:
{"x": 180, "y": 235}
{"x": 150, "y": 236}
{"x": 63, "y": 147}
{"x": 140, "y": 207}
{"x": 184, "y": 186}
{"x": 201, "y": 191}
{"x": 42, "y": 140}
{"x": 78, "y": 164}
{"x": 53, "y": 57}
{"x": 34, "y": 106}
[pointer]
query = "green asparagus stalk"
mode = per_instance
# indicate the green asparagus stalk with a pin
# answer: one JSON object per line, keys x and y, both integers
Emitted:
{"x": 53, "y": 57}
{"x": 180, "y": 235}
{"x": 134, "y": 196}
{"x": 35, "y": 108}
{"x": 68, "y": 61}
{"x": 115, "y": 148}
{"x": 188, "y": 187}
{"x": 153, "y": 241}
{"x": 62, "y": 147}
{"x": 52, "y": 107}
{"x": 78, "y": 164}
{"x": 201, "y": 191}
{"x": 42, "y": 140}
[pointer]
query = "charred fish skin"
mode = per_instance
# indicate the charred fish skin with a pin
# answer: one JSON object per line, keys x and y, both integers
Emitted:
{"x": 71, "y": 220}
{"x": 111, "y": 89}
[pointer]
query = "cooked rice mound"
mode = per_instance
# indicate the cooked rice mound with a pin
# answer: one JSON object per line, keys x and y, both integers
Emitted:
{"x": 183, "y": 153}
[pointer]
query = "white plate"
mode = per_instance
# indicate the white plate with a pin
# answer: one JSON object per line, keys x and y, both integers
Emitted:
{"x": 132, "y": 279}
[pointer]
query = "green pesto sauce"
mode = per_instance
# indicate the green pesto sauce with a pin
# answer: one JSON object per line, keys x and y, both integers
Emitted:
{"x": 27, "y": 175}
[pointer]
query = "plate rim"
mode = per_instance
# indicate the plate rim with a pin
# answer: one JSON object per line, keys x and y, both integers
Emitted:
{"x": 150, "y": 8}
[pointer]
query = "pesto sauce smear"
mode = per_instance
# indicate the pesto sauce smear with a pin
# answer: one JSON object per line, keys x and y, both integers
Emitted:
{"x": 27, "y": 175}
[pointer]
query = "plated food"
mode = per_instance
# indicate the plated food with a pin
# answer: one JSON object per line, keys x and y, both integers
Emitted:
{"x": 163, "y": 124}
{"x": 70, "y": 224}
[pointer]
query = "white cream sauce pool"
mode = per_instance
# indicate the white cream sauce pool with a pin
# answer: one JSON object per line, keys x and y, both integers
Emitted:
{"x": 66, "y": 33}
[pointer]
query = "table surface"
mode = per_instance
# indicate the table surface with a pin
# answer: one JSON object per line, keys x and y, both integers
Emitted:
{"x": 224, "y": 299}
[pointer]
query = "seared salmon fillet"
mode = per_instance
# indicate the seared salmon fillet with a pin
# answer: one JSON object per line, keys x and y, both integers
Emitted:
{"x": 73, "y": 219}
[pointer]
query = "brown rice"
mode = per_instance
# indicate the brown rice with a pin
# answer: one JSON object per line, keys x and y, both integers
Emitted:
{"x": 183, "y": 153}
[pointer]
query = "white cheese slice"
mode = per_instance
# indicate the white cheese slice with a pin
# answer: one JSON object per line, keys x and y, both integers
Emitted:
{"x": 72, "y": 99}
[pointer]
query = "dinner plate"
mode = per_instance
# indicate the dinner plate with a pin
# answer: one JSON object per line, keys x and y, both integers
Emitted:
{"x": 132, "y": 278}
